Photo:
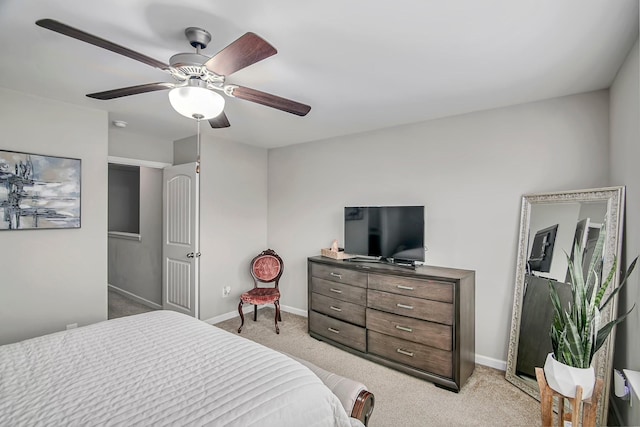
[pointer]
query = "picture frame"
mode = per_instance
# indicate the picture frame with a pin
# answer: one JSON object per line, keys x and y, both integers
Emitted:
{"x": 39, "y": 191}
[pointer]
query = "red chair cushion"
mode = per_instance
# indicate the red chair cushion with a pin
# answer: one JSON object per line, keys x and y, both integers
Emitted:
{"x": 261, "y": 296}
{"x": 266, "y": 268}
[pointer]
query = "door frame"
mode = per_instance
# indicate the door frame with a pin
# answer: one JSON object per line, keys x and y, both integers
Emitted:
{"x": 142, "y": 163}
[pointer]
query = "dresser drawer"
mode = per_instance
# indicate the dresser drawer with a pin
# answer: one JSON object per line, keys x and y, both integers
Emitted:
{"x": 343, "y": 310}
{"x": 420, "y": 288}
{"x": 339, "y": 291}
{"x": 340, "y": 275}
{"x": 424, "y": 309}
{"x": 409, "y": 353}
{"x": 337, "y": 330}
{"x": 420, "y": 331}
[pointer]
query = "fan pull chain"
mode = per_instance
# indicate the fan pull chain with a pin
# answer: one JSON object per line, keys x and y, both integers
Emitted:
{"x": 198, "y": 117}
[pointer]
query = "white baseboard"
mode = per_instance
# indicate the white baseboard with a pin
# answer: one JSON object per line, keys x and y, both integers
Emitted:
{"x": 135, "y": 297}
{"x": 491, "y": 362}
{"x": 293, "y": 310}
{"x": 248, "y": 309}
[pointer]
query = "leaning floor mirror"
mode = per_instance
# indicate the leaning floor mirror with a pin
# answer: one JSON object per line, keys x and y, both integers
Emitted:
{"x": 550, "y": 225}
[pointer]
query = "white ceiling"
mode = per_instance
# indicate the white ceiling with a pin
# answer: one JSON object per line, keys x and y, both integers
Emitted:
{"x": 360, "y": 64}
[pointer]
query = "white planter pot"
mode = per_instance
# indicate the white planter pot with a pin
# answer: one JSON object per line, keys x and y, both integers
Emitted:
{"x": 564, "y": 379}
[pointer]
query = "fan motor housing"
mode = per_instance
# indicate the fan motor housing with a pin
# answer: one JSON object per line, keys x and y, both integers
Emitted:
{"x": 181, "y": 60}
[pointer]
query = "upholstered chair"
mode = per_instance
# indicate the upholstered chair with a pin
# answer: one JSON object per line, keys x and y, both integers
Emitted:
{"x": 267, "y": 267}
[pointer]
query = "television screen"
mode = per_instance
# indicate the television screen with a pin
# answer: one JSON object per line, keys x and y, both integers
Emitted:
{"x": 395, "y": 232}
{"x": 542, "y": 249}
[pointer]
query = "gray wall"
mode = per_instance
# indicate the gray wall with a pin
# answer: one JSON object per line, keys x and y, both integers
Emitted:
{"x": 52, "y": 278}
{"x": 470, "y": 172}
{"x": 625, "y": 152}
{"x": 128, "y": 144}
{"x": 124, "y": 198}
{"x": 136, "y": 266}
{"x": 185, "y": 150}
{"x": 233, "y": 225}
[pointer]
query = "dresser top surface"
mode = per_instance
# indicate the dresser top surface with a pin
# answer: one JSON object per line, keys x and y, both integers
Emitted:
{"x": 423, "y": 271}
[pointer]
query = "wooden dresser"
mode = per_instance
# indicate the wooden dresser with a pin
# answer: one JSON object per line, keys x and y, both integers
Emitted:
{"x": 420, "y": 321}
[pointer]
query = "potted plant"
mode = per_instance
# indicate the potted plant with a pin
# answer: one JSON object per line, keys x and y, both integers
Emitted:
{"x": 576, "y": 332}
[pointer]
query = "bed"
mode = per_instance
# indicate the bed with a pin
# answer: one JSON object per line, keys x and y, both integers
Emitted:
{"x": 159, "y": 368}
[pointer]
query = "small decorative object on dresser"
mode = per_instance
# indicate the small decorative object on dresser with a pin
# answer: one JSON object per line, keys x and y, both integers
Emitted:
{"x": 335, "y": 252}
{"x": 419, "y": 321}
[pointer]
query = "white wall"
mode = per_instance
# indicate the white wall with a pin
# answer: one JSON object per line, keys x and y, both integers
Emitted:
{"x": 469, "y": 171}
{"x": 233, "y": 220}
{"x": 625, "y": 153}
{"x": 130, "y": 145}
{"x": 51, "y": 278}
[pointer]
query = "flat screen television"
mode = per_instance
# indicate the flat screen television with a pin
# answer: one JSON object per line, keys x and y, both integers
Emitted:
{"x": 391, "y": 233}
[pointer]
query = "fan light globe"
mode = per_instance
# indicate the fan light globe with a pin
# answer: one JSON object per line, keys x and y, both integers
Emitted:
{"x": 193, "y": 101}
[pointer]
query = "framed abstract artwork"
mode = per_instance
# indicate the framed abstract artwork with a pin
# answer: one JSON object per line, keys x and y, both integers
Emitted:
{"x": 38, "y": 192}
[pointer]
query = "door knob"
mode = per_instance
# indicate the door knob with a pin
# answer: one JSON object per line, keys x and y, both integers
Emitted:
{"x": 193, "y": 255}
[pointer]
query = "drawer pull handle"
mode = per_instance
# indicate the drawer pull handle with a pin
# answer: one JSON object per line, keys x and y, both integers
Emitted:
{"x": 339, "y": 276}
{"x": 335, "y": 308}
{"x": 404, "y": 328}
{"x": 408, "y": 307}
{"x": 337, "y": 291}
{"x": 406, "y": 288}
{"x": 405, "y": 352}
{"x": 335, "y": 331}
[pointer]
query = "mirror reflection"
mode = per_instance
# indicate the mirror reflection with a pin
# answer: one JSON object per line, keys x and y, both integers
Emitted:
{"x": 551, "y": 225}
{"x": 554, "y": 231}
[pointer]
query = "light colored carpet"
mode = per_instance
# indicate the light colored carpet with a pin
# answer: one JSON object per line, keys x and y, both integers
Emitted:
{"x": 487, "y": 399}
{"x": 120, "y": 306}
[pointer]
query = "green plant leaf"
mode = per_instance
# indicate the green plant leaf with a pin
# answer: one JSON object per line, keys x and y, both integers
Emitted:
{"x": 622, "y": 282}
{"x": 606, "y": 283}
{"x": 573, "y": 343}
{"x": 575, "y": 333}
{"x": 598, "y": 252}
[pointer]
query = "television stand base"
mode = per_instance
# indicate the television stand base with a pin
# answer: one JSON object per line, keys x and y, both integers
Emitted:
{"x": 356, "y": 259}
{"x": 411, "y": 264}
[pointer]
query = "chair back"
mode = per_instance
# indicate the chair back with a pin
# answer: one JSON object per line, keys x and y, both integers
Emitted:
{"x": 267, "y": 267}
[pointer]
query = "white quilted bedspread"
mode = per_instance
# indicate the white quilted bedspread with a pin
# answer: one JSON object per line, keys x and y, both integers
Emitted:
{"x": 159, "y": 368}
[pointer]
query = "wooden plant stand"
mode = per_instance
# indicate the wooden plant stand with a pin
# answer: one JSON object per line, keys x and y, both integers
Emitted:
{"x": 587, "y": 409}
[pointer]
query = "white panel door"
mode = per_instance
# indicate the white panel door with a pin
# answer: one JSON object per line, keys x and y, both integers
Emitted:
{"x": 180, "y": 250}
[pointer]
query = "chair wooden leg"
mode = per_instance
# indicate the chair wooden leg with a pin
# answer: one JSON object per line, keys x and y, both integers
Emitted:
{"x": 277, "y": 303}
{"x": 241, "y": 316}
{"x": 255, "y": 312}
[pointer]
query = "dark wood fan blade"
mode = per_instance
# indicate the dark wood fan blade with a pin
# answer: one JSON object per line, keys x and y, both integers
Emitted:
{"x": 270, "y": 100}
{"x": 220, "y": 121}
{"x": 131, "y": 90}
{"x": 61, "y": 28}
{"x": 247, "y": 50}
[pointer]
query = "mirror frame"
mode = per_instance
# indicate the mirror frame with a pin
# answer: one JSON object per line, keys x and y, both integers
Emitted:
{"x": 603, "y": 360}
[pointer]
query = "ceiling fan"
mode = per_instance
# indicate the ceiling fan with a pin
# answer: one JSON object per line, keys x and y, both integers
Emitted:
{"x": 198, "y": 78}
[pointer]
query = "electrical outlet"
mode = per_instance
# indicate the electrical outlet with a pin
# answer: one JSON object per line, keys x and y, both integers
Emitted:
{"x": 226, "y": 291}
{"x": 72, "y": 326}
